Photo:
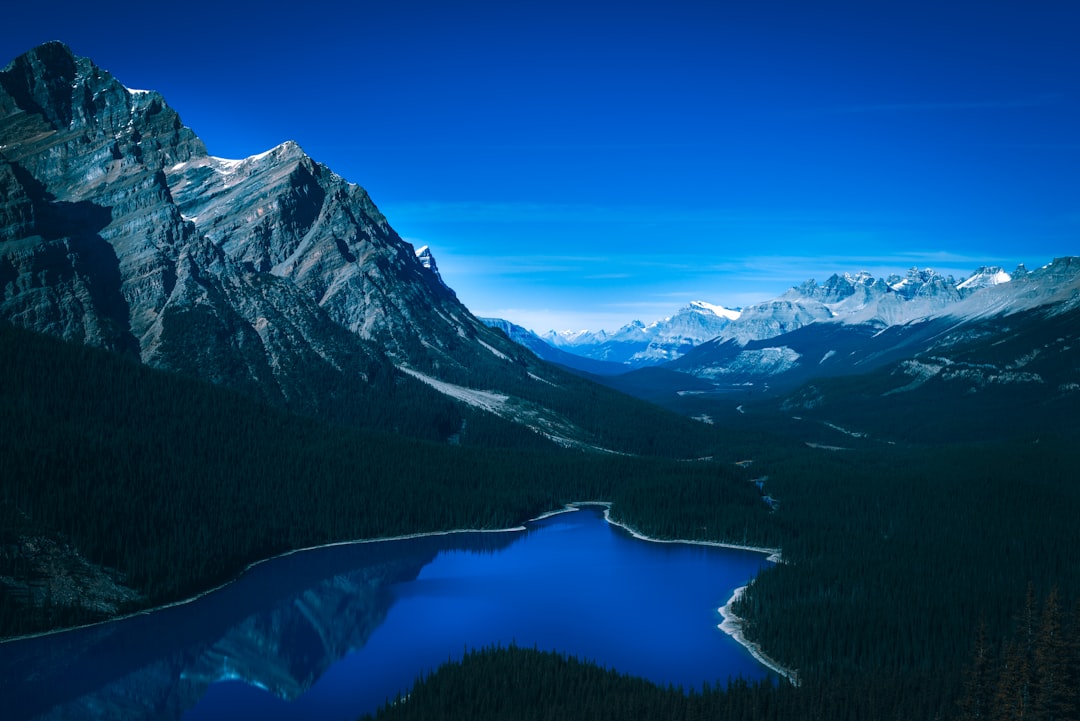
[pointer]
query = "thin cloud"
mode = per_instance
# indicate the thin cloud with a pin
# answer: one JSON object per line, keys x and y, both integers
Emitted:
{"x": 922, "y": 106}
{"x": 540, "y": 212}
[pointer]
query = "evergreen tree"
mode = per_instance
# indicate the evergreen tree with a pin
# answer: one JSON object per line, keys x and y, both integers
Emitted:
{"x": 978, "y": 684}
{"x": 1051, "y": 664}
{"x": 1011, "y": 698}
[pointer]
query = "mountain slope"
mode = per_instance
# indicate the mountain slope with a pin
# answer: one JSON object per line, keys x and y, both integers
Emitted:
{"x": 996, "y": 349}
{"x": 271, "y": 274}
{"x": 989, "y": 379}
{"x": 852, "y": 324}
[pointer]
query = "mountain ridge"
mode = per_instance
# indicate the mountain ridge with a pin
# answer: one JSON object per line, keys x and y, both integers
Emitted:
{"x": 270, "y": 274}
{"x": 844, "y": 298}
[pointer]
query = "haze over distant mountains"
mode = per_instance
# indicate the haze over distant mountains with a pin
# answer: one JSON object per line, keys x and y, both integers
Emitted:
{"x": 846, "y": 298}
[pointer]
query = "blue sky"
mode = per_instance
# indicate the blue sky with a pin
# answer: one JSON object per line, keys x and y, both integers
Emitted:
{"x": 584, "y": 164}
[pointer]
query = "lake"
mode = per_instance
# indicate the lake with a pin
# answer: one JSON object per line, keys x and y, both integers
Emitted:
{"x": 333, "y": 632}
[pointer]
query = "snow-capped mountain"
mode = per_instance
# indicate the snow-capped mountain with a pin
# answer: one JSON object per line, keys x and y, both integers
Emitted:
{"x": 846, "y": 299}
{"x": 637, "y": 344}
{"x": 845, "y": 327}
{"x": 427, "y": 259}
{"x": 851, "y": 299}
{"x": 987, "y": 276}
{"x": 903, "y": 340}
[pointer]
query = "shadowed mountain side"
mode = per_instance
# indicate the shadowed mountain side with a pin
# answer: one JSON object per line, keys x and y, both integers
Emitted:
{"x": 271, "y": 275}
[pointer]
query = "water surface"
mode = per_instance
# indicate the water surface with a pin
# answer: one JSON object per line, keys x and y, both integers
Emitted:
{"x": 334, "y": 632}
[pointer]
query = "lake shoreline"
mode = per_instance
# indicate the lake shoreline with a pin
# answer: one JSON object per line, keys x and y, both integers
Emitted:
{"x": 248, "y": 567}
{"x": 732, "y": 625}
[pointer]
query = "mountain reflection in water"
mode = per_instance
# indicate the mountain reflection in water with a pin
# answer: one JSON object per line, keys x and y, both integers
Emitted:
{"x": 333, "y": 632}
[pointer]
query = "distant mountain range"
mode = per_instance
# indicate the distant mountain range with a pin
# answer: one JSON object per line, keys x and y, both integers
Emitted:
{"x": 910, "y": 340}
{"x": 635, "y": 345}
{"x": 846, "y": 298}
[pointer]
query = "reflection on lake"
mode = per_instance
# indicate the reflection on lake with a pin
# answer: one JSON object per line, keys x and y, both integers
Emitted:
{"x": 334, "y": 632}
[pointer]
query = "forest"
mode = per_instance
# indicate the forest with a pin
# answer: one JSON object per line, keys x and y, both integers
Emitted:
{"x": 918, "y": 581}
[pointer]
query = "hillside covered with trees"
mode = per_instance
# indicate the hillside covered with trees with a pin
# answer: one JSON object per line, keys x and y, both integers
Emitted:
{"x": 909, "y": 573}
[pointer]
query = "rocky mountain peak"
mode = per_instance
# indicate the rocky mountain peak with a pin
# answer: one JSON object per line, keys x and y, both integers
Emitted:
{"x": 427, "y": 259}
{"x": 120, "y": 230}
{"x": 700, "y": 306}
{"x": 983, "y": 277}
{"x": 43, "y": 79}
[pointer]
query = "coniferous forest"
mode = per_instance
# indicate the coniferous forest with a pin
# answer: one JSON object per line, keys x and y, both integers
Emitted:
{"x": 919, "y": 581}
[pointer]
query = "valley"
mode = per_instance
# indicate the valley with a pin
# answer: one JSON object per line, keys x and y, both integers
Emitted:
{"x": 211, "y": 362}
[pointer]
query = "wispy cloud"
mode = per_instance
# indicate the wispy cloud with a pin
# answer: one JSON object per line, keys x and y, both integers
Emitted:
{"x": 539, "y": 212}
{"x": 932, "y": 105}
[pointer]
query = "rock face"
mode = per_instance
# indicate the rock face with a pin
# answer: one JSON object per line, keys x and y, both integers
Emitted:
{"x": 118, "y": 229}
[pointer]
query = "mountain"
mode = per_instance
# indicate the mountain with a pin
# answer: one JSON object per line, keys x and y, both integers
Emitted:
{"x": 843, "y": 298}
{"x": 811, "y": 323}
{"x": 985, "y": 379}
{"x": 552, "y": 354}
{"x": 427, "y": 259}
{"x": 270, "y": 274}
{"x": 1007, "y": 347}
{"x": 636, "y": 345}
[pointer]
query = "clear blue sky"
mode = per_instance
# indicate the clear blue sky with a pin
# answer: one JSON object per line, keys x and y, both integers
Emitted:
{"x": 583, "y": 164}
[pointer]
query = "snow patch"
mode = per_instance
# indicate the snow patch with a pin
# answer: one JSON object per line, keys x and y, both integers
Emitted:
{"x": 985, "y": 277}
{"x": 227, "y": 166}
{"x": 719, "y": 310}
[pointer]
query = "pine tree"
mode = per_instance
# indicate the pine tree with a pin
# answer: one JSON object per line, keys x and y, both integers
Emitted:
{"x": 1051, "y": 665}
{"x": 1013, "y": 697}
{"x": 978, "y": 683}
